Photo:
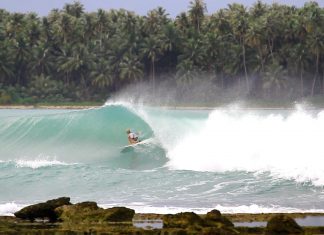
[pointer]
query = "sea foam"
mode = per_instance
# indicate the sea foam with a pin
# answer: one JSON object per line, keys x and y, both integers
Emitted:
{"x": 288, "y": 147}
{"x": 38, "y": 163}
{"x": 251, "y": 209}
{"x": 8, "y": 209}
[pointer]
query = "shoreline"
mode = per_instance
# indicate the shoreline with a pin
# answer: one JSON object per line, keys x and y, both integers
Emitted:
{"x": 80, "y": 107}
{"x": 22, "y": 107}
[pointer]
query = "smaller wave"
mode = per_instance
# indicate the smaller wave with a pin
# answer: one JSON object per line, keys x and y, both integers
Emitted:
{"x": 8, "y": 209}
{"x": 257, "y": 209}
{"x": 250, "y": 209}
{"x": 143, "y": 208}
{"x": 38, "y": 163}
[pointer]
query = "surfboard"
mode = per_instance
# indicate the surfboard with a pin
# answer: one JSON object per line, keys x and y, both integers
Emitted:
{"x": 132, "y": 146}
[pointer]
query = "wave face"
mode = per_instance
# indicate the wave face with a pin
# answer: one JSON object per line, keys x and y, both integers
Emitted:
{"x": 90, "y": 135}
{"x": 196, "y": 160}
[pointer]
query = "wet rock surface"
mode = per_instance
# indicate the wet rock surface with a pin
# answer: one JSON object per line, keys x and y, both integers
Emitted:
{"x": 44, "y": 210}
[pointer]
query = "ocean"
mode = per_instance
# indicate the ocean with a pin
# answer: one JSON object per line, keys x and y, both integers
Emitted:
{"x": 233, "y": 160}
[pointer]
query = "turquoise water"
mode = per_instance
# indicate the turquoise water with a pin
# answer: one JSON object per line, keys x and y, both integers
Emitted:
{"x": 195, "y": 160}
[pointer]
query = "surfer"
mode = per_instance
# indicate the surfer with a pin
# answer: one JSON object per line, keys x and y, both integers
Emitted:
{"x": 132, "y": 137}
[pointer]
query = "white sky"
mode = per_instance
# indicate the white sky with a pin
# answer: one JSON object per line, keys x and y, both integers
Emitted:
{"x": 173, "y": 7}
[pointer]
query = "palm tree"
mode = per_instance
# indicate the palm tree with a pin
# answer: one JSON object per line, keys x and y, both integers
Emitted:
{"x": 89, "y": 33}
{"x": 275, "y": 78}
{"x": 239, "y": 21}
{"x": 196, "y": 12}
{"x": 186, "y": 71}
{"x": 314, "y": 25}
{"x": 152, "y": 49}
{"x": 76, "y": 9}
{"x": 131, "y": 68}
{"x": 316, "y": 45}
{"x": 101, "y": 75}
{"x": 43, "y": 61}
{"x": 23, "y": 55}
{"x": 65, "y": 27}
{"x": 6, "y": 63}
{"x": 182, "y": 22}
{"x": 101, "y": 21}
{"x": 75, "y": 62}
{"x": 254, "y": 34}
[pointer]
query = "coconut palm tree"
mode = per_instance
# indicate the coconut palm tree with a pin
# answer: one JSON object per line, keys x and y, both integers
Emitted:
{"x": 6, "y": 63}
{"x": 275, "y": 79}
{"x": 197, "y": 11}
{"x": 152, "y": 49}
{"x": 101, "y": 75}
{"x": 239, "y": 21}
{"x": 131, "y": 68}
{"x": 76, "y": 9}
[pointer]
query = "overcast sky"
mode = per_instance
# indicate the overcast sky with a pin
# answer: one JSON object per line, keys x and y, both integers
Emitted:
{"x": 173, "y": 7}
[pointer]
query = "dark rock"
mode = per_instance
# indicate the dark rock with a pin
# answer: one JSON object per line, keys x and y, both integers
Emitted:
{"x": 43, "y": 210}
{"x": 119, "y": 214}
{"x": 214, "y": 215}
{"x": 215, "y": 218}
{"x": 282, "y": 224}
{"x": 182, "y": 220}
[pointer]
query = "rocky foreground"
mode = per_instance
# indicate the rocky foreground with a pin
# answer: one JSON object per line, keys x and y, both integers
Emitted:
{"x": 60, "y": 217}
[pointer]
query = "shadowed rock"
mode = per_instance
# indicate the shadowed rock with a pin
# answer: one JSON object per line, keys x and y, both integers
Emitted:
{"x": 282, "y": 224}
{"x": 43, "y": 210}
{"x": 215, "y": 218}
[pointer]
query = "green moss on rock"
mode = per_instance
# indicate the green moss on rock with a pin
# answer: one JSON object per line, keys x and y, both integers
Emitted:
{"x": 89, "y": 212}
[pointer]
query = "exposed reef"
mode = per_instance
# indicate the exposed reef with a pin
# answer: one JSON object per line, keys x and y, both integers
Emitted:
{"x": 60, "y": 217}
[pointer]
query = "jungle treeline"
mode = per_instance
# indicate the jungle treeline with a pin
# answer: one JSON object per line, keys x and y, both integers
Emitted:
{"x": 264, "y": 51}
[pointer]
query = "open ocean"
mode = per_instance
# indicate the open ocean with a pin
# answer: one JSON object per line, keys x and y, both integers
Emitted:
{"x": 233, "y": 160}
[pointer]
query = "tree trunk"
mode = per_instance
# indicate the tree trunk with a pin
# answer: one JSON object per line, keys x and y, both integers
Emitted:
{"x": 316, "y": 72}
{"x": 153, "y": 73}
{"x": 222, "y": 80}
{"x": 261, "y": 58}
{"x": 245, "y": 70}
{"x": 270, "y": 44}
{"x": 301, "y": 80}
{"x": 323, "y": 83}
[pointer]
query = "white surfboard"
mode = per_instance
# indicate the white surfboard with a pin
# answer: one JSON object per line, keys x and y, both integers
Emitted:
{"x": 132, "y": 146}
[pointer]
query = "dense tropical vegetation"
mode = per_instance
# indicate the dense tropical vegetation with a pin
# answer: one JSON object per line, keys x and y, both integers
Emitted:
{"x": 266, "y": 51}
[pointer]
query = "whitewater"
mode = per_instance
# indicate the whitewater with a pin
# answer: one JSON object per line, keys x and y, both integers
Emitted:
{"x": 234, "y": 160}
